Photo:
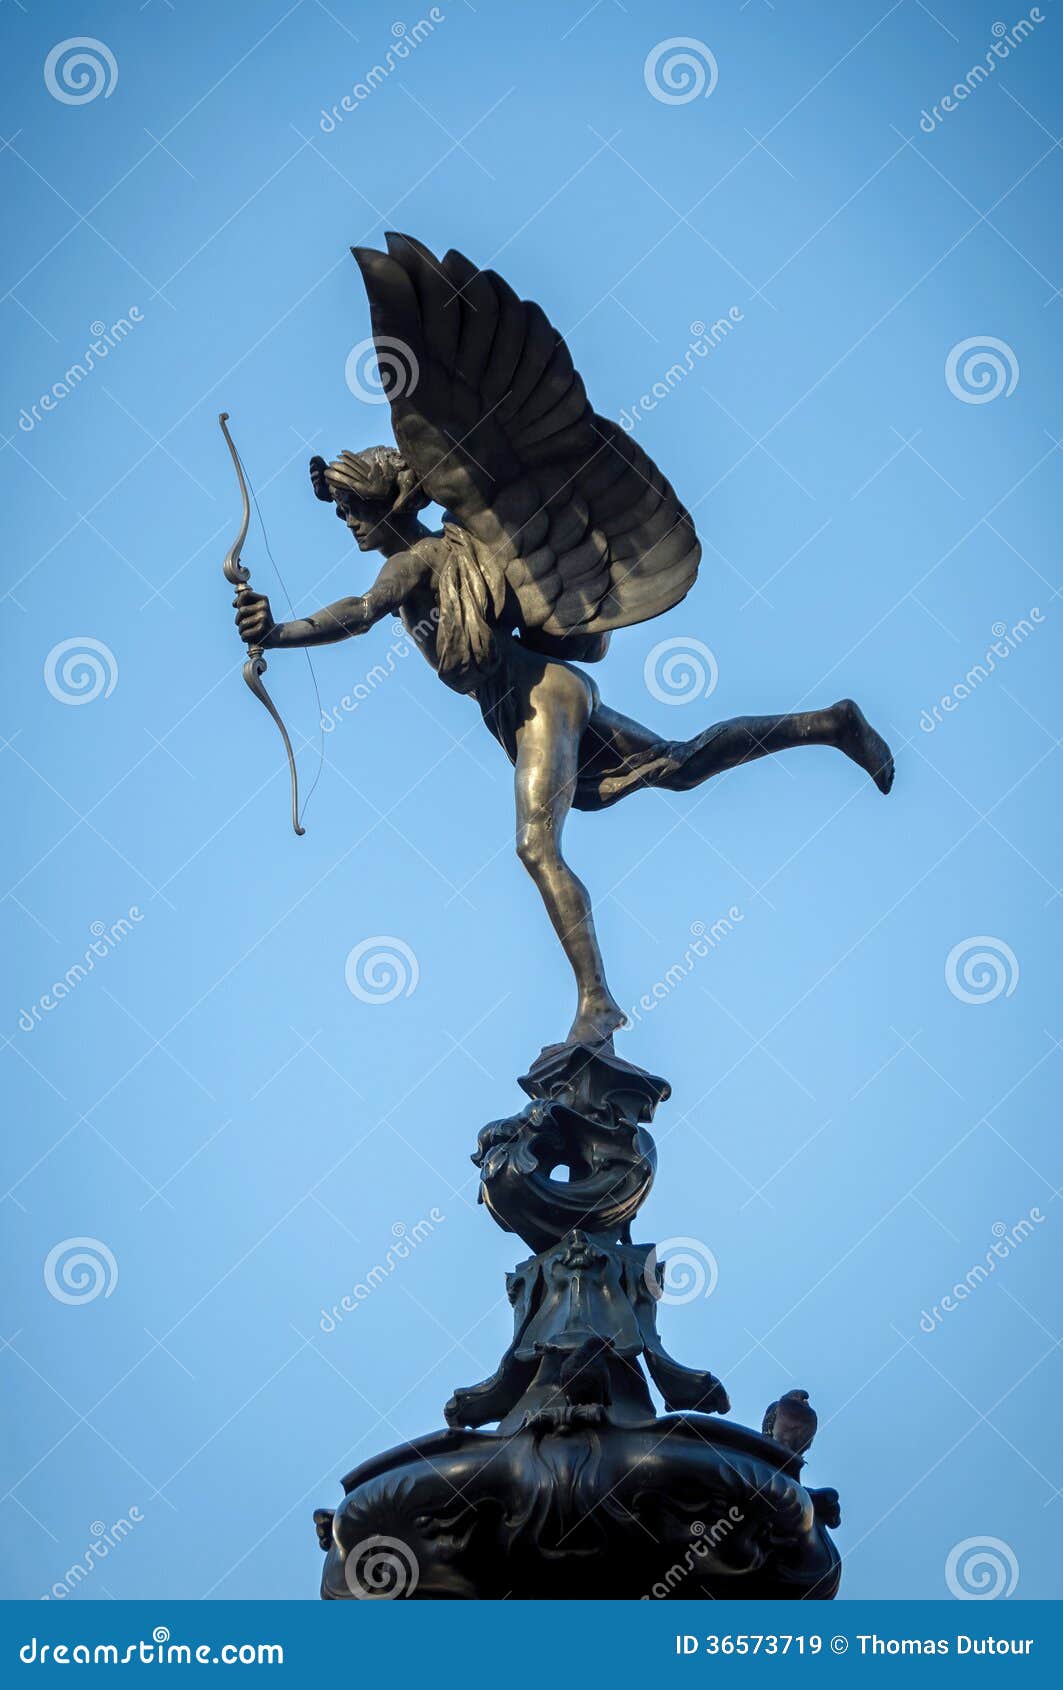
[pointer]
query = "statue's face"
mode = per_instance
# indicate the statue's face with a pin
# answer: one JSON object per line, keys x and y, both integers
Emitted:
{"x": 365, "y": 518}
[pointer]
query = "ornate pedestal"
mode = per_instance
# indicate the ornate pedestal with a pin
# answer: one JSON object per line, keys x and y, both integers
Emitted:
{"x": 583, "y": 1491}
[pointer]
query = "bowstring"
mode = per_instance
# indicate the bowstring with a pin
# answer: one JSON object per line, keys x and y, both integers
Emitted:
{"x": 306, "y": 654}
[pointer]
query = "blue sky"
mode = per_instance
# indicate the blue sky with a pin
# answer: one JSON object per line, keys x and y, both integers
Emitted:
{"x": 244, "y": 1136}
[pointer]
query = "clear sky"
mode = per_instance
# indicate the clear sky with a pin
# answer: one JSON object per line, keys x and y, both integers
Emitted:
{"x": 243, "y": 1137}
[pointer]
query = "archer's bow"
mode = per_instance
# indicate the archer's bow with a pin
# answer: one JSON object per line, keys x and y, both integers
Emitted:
{"x": 255, "y": 667}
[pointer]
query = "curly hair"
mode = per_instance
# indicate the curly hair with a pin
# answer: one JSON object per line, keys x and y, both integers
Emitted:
{"x": 379, "y": 475}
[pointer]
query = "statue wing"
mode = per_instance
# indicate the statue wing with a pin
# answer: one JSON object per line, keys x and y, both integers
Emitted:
{"x": 490, "y": 413}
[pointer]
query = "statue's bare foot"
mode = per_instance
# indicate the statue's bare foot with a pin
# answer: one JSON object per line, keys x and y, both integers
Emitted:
{"x": 597, "y": 1019}
{"x": 859, "y": 741}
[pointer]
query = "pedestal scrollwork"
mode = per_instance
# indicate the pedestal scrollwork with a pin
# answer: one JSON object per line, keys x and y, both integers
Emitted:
{"x": 610, "y": 1171}
{"x": 581, "y": 1489}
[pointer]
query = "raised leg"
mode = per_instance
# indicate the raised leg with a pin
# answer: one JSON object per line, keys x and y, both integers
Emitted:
{"x": 548, "y": 745}
{"x": 745, "y": 738}
{"x": 632, "y": 756}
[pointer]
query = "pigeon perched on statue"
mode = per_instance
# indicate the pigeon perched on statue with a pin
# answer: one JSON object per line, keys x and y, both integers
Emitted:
{"x": 791, "y": 1421}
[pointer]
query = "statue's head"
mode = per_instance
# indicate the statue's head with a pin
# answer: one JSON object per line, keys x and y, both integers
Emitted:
{"x": 369, "y": 489}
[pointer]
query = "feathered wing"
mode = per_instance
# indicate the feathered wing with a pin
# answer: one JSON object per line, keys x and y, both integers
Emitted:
{"x": 562, "y": 507}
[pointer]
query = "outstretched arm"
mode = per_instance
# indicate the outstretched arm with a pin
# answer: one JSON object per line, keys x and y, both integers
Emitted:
{"x": 399, "y": 577}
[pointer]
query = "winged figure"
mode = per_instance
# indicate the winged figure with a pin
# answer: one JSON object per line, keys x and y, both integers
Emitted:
{"x": 557, "y": 529}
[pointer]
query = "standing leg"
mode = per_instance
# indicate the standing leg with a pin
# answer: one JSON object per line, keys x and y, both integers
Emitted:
{"x": 548, "y": 743}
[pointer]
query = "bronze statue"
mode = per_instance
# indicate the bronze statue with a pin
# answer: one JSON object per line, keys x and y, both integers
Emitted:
{"x": 557, "y": 529}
